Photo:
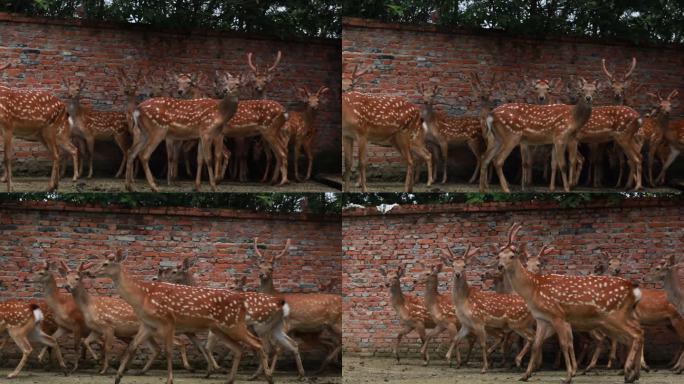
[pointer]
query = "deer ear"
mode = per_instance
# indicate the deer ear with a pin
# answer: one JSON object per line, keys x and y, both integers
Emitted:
{"x": 121, "y": 256}
{"x": 188, "y": 262}
{"x": 62, "y": 268}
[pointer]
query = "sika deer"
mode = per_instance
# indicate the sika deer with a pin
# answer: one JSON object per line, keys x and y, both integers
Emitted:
{"x": 90, "y": 125}
{"x": 67, "y": 315}
{"x": 107, "y": 317}
{"x": 441, "y": 309}
{"x": 163, "y": 308}
{"x": 478, "y": 311}
{"x": 310, "y": 313}
{"x": 559, "y": 303}
{"x": 22, "y": 321}
{"x": 515, "y": 123}
{"x": 35, "y": 116}
{"x": 671, "y": 272}
{"x": 129, "y": 87}
{"x": 672, "y": 135}
{"x": 384, "y": 120}
{"x": 302, "y": 127}
{"x": 447, "y": 130}
{"x": 412, "y": 312}
{"x": 163, "y": 117}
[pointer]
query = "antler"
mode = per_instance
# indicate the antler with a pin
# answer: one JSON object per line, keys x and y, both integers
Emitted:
{"x": 512, "y": 232}
{"x": 605, "y": 70}
{"x": 631, "y": 68}
{"x": 4, "y": 66}
{"x": 545, "y": 250}
{"x": 277, "y": 61}
{"x": 256, "y": 249}
{"x": 470, "y": 252}
{"x": 62, "y": 264}
{"x": 251, "y": 65}
{"x": 323, "y": 89}
{"x": 672, "y": 94}
{"x": 287, "y": 245}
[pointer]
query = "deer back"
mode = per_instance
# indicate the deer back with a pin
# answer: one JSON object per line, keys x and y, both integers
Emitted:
{"x": 15, "y": 313}
{"x": 29, "y": 112}
{"x": 607, "y": 121}
{"x": 312, "y": 311}
{"x": 253, "y": 116}
{"x": 380, "y": 117}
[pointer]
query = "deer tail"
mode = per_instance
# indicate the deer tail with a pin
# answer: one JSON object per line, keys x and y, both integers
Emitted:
{"x": 490, "y": 123}
{"x": 37, "y": 313}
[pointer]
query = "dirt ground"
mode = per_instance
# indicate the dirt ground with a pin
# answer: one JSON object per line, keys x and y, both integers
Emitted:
{"x": 159, "y": 376}
{"x": 389, "y": 186}
{"x": 385, "y": 370}
{"x": 39, "y": 184}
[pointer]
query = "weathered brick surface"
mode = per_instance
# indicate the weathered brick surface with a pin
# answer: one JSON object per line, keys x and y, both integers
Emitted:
{"x": 642, "y": 231}
{"x": 404, "y": 56}
{"x": 221, "y": 240}
{"x": 44, "y": 51}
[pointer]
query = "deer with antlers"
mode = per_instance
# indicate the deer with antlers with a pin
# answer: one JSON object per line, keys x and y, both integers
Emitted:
{"x": 302, "y": 128}
{"x": 479, "y": 311}
{"x": 652, "y": 309}
{"x": 22, "y": 321}
{"x": 560, "y": 303}
{"x": 162, "y": 308}
{"x": 90, "y": 125}
{"x": 35, "y": 116}
{"x": 672, "y": 134}
{"x": 203, "y": 119}
{"x": 67, "y": 315}
{"x": 310, "y": 313}
{"x": 383, "y": 120}
{"x": 511, "y": 124}
{"x": 441, "y": 309}
{"x": 445, "y": 130}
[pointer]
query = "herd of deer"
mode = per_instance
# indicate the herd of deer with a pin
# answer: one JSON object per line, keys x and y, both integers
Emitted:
{"x": 184, "y": 118}
{"x": 172, "y": 304}
{"x": 533, "y": 306}
{"x": 534, "y": 126}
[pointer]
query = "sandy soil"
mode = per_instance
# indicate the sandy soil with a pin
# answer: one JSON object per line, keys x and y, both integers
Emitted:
{"x": 159, "y": 376}
{"x": 39, "y": 184}
{"x": 388, "y": 186}
{"x": 385, "y": 370}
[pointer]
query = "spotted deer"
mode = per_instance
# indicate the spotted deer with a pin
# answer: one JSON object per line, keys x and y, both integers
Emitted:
{"x": 411, "y": 310}
{"x": 557, "y": 124}
{"x": 163, "y": 307}
{"x": 181, "y": 274}
{"x": 90, "y": 125}
{"x": 441, "y": 309}
{"x": 177, "y": 119}
{"x": 447, "y": 130}
{"x": 129, "y": 87}
{"x": 67, "y": 315}
{"x": 35, "y": 116}
{"x": 106, "y": 317}
{"x": 479, "y": 311}
{"x": 382, "y": 120}
{"x": 673, "y": 134}
{"x": 561, "y": 303}
{"x": 671, "y": 271}
{"x": 22, "y": 321}
{"x": 265, "y": 118}
{"x": 313, "y": 313}
{"x": 302, "y": 127}
{"x": 652, "y": 309}
{"x": 651, "y": 136}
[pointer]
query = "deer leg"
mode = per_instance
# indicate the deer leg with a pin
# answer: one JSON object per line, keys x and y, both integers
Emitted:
{"x": 212, "y": 365}
{"x": 453, "y": 331}
{"x": 395, "y": 351}
{"x": 560, "y": 148}
{"x": 139, "y": 141}
{"x": 108, "y": 336}
{"x": 7, "y": 138}
{"x": 634, "y": 158}
{"x": 241, "y": 334}
{"x": 205, "y": 147}
{"x": 296, "y": 160}
{"x": 20, "y": 338}
{"x": 123, "y": 146}
{"x": 52, "y": 344}
{"x": 499, "y": 160}
{"x": 362, "y": 143}
{"x": 652, "y": 148}
{"x": 476, "y": 149}
{"x": 426, "y": 337}
{"x": 348, "y": 149}
{"x": 235, "y": 348}
{"x": 598, "y": 342}
{"x": 524, "y": 165}
{"x": 310, "y": 158}
{"x": 171, "y": 156}
{"x": 185, "y": 150}
{"x": 144, "y": 333}
{"x": 444, "y": 153}
{"x": 670, "y": 159}
{"x": 493, "y": 148}
{"x": 542, "y": 329}
{"x": 90, "y": 143}
{"x": 151, "y": 144}
{"x": 152, "y": 345}
{"x": 286, "y": 341}
{"x": 184, "y": 354}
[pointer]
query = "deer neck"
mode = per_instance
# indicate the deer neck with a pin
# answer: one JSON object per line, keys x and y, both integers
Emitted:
{"x": 228, "y": 105}
{"x": 266, "y": 286}
{"x": 460, "y": 290}
{"x": 51, "y": 289}
{"x": 194, "y": 93}
{"x": 397, "y": 296}
{"x": 520, "y": 280}
{"x": 428, "y": 113}
{"x": 502, "y": 285}
{"x": 581, "y": 112}
{"x": 308, "y": 115}
{"x": 662, "y": 122}
{"x": 129, "y": 289}
{"x": 131, "y": 103}
{"x": 75, "y": 109}
{"x": 674, "y": 289}
{"x": 81, "y": 296}
{"x": 431, "y": 291}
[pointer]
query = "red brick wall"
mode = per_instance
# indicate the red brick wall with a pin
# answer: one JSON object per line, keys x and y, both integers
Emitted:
{"x": 45, "y": 51}
{"x": 403, "y": 56}
{"x": 221, "y": 240}
{"x": 642, "y": 231}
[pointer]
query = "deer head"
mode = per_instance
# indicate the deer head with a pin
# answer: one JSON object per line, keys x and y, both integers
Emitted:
{"x": 617, "y": 83}
{"x": 266, "y": 265}
{"x": 157, "y": 85}
{"x": 509, "y": 253}
{"x": 458, "y": 262}
{"x": 73, "y": 277}
{"x": 349, "y": 80}
{"x": 393, "y": 276}
{"x": 587, "y": 90}
{"x": 428, "y": 93}
{"x": 431, "y": 270}
{"x": 542, "y": 88}
{"x": 663, "y": 106}
{"x": 262, "y": 77}
{"x": 227, "y": 84}
{"x": 312, "y": 101}
{"x": 608, "y": 265}
{"x": 110, "y": 266}
{"x": 535, "y": 264}
{"x": 128, "y": 85}
{"x": 42, "y": 274}
{"x": 74, "y": 89}
{"x": 484, "y": 93}
{"x": 186, "y": 82}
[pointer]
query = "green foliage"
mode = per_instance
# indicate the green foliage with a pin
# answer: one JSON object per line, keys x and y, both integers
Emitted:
{"x": 313, "y": 203}
{"x": 653, "y": 20}
{"x": 315, "y": 18}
